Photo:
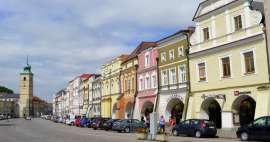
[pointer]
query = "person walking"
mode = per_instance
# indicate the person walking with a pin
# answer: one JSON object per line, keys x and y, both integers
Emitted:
{"x": 142, "y": 119}
{"x": 171, "y": 123}
{"x": 162, "y": 124}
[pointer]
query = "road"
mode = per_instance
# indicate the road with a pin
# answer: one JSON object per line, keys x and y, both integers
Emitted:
{"x": 38, "y": 130}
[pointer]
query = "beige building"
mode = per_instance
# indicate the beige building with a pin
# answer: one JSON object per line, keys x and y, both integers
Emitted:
{"x": 26, "y": 91}
{"x": 229, "y": 79}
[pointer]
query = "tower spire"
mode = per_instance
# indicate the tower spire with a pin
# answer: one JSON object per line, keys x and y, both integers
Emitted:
{"x": 27, "y": 63}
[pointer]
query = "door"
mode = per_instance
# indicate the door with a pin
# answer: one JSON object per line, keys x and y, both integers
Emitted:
{"x": 257, "y": 128}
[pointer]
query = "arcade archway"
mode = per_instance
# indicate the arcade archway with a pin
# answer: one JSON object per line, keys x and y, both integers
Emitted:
{"x": 243, "y": 109}
{"x": 211, "y": 110}
{"x": 147, "y": 109}
{"x": 128, "y": 111}
{"x": 175, "y": 109}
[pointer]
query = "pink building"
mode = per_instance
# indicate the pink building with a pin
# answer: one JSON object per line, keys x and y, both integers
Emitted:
{"x": 147, "y": 81}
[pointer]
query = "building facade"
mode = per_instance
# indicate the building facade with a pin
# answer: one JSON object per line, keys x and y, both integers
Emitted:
{"x": 228, "y": 63}
{"x": 84, "y": 91}
{"x": 91, "y": 109}
{"x": 9, "y": 104}
{"x": 97, "y": 93}
{"x": 173, "y": 77}
{"x": 26, "y": 92}
{"x": 111, "y": 86}
{"x": 147, "y": 81}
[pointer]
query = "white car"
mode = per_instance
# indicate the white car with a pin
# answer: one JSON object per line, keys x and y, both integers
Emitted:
{"x": 70, "y": 121}
{"x": 28, "y": 118}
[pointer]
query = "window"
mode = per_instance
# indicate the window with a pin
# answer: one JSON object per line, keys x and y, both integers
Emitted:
{"x": 226, "y": 67}
{"x": 202, "y": 72}
{"x": 182, "y": 74}
{"x": 181, "y": 51}
{"x": 260, "y": 122}
{"x": 238, "y": 23}
{"x": 147, "y": 60}
{"x": 249, "y": 62}
{"x": 206, "y": 35}
{"x": 147, "y": 82}
{"x": 173, "y": 76}
{"x": 141, "y": 84}
{"x": 164, "y": 78}
{"x": 154, "y": 81}
{"x": 163, "y": 56}
{"x": 171, "y": 54}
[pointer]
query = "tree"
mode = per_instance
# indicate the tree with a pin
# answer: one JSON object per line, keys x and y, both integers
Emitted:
{"x": 5, "y": 90}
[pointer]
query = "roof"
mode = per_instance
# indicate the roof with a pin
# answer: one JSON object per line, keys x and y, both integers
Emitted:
{"x": 123, "y": 57}
{"x": 85, "y": 76}
{"x": 7, "y": 96}
{"x": 189, "y": 30}
{"x": 142, "y": 46}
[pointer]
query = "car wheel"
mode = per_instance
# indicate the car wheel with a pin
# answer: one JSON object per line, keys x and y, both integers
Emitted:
{"x": 175, "y": 133}
{"x": 244, "y": 136}
{"x": 198, "y": 134}
{"x": 127, "y": 130}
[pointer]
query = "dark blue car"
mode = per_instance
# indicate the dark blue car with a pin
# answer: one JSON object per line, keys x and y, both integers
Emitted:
{"x": 196, "y": 128}
{"x": 84, "y": 122}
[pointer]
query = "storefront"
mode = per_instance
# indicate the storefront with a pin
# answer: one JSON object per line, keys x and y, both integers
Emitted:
{"x": 172, "y": 105}
{"x": 230, "y": 108}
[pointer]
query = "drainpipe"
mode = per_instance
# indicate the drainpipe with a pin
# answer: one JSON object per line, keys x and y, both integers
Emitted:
{"x": 266, "y": 42}
{"x": 158, "y": 85}
{"x": 188, "y": 78}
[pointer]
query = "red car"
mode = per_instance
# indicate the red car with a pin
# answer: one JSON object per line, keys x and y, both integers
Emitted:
{"x": 78, "y": 121}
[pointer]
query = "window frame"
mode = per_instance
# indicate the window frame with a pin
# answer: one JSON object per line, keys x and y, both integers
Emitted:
{"x": 181, "y": 53}
{"x": 173, "y": 55}
{"x": 234, "y": 23}
{"x": 203, "y": 34}
{"x": 198, "y": 72}
{"x": 221, "y": 70}
{"x": 243, "y": 62}
{"x": 163, "y": 56}
{"x": 180, "y": 75}
{"x": 171, "y": 76}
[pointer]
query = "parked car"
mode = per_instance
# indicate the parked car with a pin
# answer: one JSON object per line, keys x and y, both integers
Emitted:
{"x": 60, "y": 120}
{"x": 196, "y": 128}
{"x": 78, "y": 121}
{"x": 128, "y": 125}
{"x": 54, "y": 119}
{"x": 98, "y": 123}
{"x": 259, "y": 129}
{"x": 108, "y": 124}
{"x": 84, "y": 122}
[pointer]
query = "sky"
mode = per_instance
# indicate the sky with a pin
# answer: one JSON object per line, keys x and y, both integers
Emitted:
{"x": 65, "y": 38}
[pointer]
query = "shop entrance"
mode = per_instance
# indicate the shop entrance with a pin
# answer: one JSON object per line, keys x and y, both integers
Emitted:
{"x": 174, "y": 109}
{"x": 244, "y": 110}
{"x": 211, "y": 110}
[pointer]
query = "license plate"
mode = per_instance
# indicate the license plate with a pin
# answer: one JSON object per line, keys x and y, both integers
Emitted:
{"x": 212, "y": 127}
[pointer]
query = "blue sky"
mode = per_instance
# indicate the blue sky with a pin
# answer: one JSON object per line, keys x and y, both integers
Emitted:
{"x": 64, "y": 38}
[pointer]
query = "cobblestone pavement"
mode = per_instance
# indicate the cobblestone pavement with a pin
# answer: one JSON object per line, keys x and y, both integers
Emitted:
{"x": 38, "y": 130}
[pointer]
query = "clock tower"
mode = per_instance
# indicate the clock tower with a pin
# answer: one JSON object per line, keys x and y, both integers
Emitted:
{"x": 26, "y": 91}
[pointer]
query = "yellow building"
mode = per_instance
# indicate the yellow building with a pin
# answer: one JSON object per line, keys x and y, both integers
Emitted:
{"x": 111, "y": 86}
{"x": 229, "y": 79}
{"x": 26, "y": 92}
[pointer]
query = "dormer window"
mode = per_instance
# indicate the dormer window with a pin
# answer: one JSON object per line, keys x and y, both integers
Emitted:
{"x": 238, "y": 23}
{"x": 206, "y": 34}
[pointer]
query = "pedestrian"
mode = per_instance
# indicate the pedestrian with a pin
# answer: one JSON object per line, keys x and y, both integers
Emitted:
{"x": 142, "y": 119}
{"x": 162, "y": 124}
{"x": 147, "y": 121}
{"x": 171, "y": 123}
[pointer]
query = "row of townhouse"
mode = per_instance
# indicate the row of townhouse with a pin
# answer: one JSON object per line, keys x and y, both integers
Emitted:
{"x": 217, "y": 70}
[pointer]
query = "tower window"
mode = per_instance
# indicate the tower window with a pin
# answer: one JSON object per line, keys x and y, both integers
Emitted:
{"x": 24, "y": 79}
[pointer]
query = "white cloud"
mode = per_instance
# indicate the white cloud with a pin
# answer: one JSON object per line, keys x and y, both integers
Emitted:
{"x": 66, "y": 37}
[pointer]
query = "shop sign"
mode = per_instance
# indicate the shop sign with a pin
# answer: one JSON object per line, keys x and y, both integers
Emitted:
{"x": 238, "y": 93}
{"x": 215, "y": 96}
